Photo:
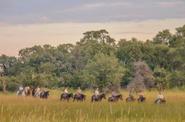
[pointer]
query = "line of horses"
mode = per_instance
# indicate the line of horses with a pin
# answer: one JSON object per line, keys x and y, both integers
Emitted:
{"x": 35, "y": 92}
{"x": 99, "y": 98}
{"x": 44, "y": 94}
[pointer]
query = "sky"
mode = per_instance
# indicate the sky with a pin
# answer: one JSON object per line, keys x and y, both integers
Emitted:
{"x": 24, "y": 23}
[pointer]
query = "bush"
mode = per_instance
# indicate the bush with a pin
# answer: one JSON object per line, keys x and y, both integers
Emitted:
{"x": 12, "y": 86}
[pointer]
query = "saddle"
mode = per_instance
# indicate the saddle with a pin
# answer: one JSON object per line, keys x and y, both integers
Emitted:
{"x": 65, "y": 94}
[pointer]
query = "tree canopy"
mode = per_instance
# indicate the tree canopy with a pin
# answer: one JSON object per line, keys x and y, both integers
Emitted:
{"x": 99, "y": 60}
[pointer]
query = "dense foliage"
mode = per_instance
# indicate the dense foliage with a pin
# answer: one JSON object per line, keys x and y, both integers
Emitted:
{"x": 97, "y": 60}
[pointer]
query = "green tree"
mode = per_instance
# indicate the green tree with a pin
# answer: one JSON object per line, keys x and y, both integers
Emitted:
{"x": 104, "y": 70}
{"x": 163, "y": 37}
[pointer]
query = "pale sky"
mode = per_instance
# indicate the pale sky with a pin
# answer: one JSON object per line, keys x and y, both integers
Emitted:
{"x": 36, "y": 22}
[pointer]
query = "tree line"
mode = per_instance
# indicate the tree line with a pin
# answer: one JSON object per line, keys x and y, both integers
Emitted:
{"x": 98, "y": 60}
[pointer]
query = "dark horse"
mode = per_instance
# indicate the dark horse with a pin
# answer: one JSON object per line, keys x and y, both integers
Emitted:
{"x": 98, "y": 98}
{"x": 66, "y": 96}
{"x": 33, "y": 92}
{"x": 115, "y": 98}
{"x": 44, "y": 94}
{"x": 141, "y": 98}
{"x": 79, "y": 97}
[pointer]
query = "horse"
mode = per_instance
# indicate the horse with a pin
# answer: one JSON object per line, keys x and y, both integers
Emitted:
{"x": 24, "y": 91}
{"x": 44, "y": 94}
{"x": 130, "y": 99}
{"x": 141, "y": 98}
{"x": 33, "y": 92}
{"x": 160, "y": 101}
{"x": 27, "y": 91}
{"x": 115, "y": 98}
{"x": 36, "y": 92}
{"x": 20, "y": 91}
{"x": 98, "y": 97}
{"x": 79, "y": 97}
{"x": 66, "y": 96}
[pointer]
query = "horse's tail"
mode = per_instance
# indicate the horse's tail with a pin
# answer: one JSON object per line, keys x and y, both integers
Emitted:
{"x": 61, "y": 97}
{"x": 84, "y": 97}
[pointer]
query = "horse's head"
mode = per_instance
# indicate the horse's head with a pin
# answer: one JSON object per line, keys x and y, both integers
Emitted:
{"x": 46, "y": 93}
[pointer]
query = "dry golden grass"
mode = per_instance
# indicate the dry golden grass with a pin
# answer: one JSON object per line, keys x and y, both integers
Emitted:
{"x": 28, "y": 109}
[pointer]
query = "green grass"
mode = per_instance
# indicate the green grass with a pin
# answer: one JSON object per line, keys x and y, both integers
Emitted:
{"x": 28, "y": 109}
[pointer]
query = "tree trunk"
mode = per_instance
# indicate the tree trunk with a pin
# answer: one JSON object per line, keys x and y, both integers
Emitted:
{"x": 4, "y": 85}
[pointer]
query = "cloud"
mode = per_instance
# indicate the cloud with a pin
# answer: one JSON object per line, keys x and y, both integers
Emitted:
{"x": 47, "y": 11}
{"x": 170, "y": 4}
{"x": 44, "y": 19}
{"x": 97, "y": 5}
{"x": 107, "y": 4}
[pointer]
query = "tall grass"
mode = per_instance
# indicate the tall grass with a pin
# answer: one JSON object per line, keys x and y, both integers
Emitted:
{"x": 28, "y": 109}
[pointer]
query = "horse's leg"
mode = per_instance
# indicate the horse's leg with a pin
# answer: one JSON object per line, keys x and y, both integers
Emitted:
{"x": 73, "y": 99}
{"x": 92, "y": 99}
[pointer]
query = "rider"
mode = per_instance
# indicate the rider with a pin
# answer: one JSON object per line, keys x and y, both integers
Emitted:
{"x": 79, "y": 91}
{"x": 141, "y": 94}
{"x": 131, "y": 96}
{"x": 114, "y": 93}
{"x": 27, "y": 88}
{"x": 96, "y": 92}
{"x": 160, "y": 97}
{"x": 66, "y": 91}
{"x": 20, "y": 90}
{"x": 37, "y": 91}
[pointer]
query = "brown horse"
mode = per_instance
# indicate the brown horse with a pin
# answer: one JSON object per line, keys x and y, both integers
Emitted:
{"x": 98, "y": 97}
{"x": 66, "y": 96}
{"x": 115, "y": 98}
{"x": 27, "y": 91}
{"x": 44, "y": 94}
{"x": 79, "y": 97}
{"x": 141, "y": 98}
{"x": 130, "y": 99}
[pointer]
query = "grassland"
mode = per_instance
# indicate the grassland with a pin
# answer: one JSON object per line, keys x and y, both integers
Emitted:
{"x": 28, "y": 109}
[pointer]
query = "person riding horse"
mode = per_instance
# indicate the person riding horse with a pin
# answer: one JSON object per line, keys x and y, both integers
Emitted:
{"x": 96, "y": 92}
{"x": 160, "y": 99}
{"x": 79, "y": 96}
{"x": 44, "y": 94}
{"x": 37, "y": 92}
{"x": 66, "y": 95}
{"x": 20, "y": 90}
{"x": 97, "y": 96}
{"x": 79, "y": 92}
{"x": 65, "y": 92}
{"x": 24, "y": 91}
{"x": 27, "y": 91}
{"x": 115, "y": 97}
{"x": 130, "y": 98}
